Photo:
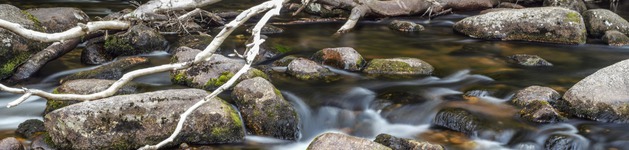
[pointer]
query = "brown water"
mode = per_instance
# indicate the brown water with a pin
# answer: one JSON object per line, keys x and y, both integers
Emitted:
{"x": 351, "y": 106}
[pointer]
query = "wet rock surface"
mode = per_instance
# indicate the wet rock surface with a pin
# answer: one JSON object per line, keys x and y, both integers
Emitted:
{"x": 598, "y": 21}
{"x": 396, "y": 143}
{"x": 193, "y": 41}
{"x": 39, "y": 143}
{"x": 132, "y": 121}
{"x": 536, "y": 103}
{"x": 265, "y": 111}
{"x": 398, "y": 67}
{"x": 543, "y": 24}
{"x": 30, "y": 128}
{"x": 88, "y": 86}
{"x": 59, "y": 19}
{"x": 528, "y": 60}
{"x": 564, "y": 142}
{"x": 601, "y": 96}
{"x": 305, "y": 69}
{"x": 15, "y": 49}
{"x": 405, "y": 26}
{"x": 615, "y": 38}
{"x": 112, "y": 71}
{"x": 138, "y": 39}
{"x": 473, "y": 124}
{"x": 10, "y": 143}
{"x": 268, "y": 29}
{"x": 534, "y": 93}
{"x": 94, "y": 52}
{"x": 341, "y": 57}
{"x": 576, "y": 5}
{"x": 211, "y": 74}
{"x": 343, "y": 142}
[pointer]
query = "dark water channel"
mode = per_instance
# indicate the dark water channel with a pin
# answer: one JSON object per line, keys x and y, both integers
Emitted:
{"x": 353, "y": 105}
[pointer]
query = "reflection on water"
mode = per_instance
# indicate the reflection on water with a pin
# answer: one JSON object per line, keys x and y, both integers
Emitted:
{"x": 353, "y": 106}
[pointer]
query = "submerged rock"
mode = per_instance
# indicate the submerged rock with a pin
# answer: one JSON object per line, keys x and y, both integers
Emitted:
{"x": 337, "y": 141}
{"x": 30, "y": 128}
{"x": 94, "y": 52}
{"x": 284, "y": 61}
{"x": 112, "y": 71}
{"x": 474, "y": 124}
{"x": 265, "y": 111}
{"x": 59, "y": 19}
{"x": 543, "y": 24}
{"x": 10, "y": 143}
{"x": 193, "y": 41}
{"x": 398, "y": 67}
{"x": 209, "y": 75}
{"x": 305, "y": 69}
{"x": 341, "y": 57}
{"x": 405, "y": 26}
{"x": 132, "y": 121}
{"x": 87, "y": 86}
{"x": 15, "y": 49}
{"x": 615, "y": 38}
{"x": 268, "y": 29}
{"x": 561, "y": 142}
{"x": 138, "y": 39}
{"x": 601, "y": 96}
{"x": 598, "y": 21}
{"x": 528, "y": 60}
{"x": 396, "y": 143}
{"x": 576, "y": 5}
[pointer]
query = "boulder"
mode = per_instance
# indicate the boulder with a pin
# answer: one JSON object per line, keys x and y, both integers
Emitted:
{"x": 534, "y": 93}
{"x": 42, "y": 142}
{"x": 405, "y": 26}
{"x": 396, "y": 143}
{"x": 59, "y": 19}
{"x": 138, "y": 39}
{"x": 88, "y": 86}
{"x": 340, "y": 57}
{"x": 94, "y": 52}
{"x": 284, "y": 61}
{"x": 267, "y": 29}
{"x": 265, "y": 111}
{"x": 10, "y": 143}
{"x": 542, "y": 24}
{"x": 398, "y": 67}
{"x": 576, "y": 5}
{"x": 209, "y": 75}
{"x": 536, "y": 103}
{"x": 337, "y": 141}
{"x": 112, "y": 71}
{"x": 601, "y": 96}
{"x": 305, "y": 69}
{"x": 15, "y": 49}
{"x": 560, "y": 141}
{"x": 598, "y": 21}
{"x": 132, "y": 121}
{"x": 476, "y": 124}
{"x": 528, "y": 60}
{"x": 30, "y": 128}
{"x": 615, "y": 38}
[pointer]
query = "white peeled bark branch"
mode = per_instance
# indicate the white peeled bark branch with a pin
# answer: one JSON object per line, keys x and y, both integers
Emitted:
{"x": 275, "y": 6}
{"x": 156, "y": 6}
{"x": 78, "y": 31}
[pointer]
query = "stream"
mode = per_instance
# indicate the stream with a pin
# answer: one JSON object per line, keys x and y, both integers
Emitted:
{"x": 354, "y": 105}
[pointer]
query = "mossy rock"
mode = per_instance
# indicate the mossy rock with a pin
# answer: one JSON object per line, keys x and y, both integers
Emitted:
{"x": 138, "y": 39}
{"x": 88, "y": 86}
{"x": 405, "y": 26}
{"x": 346, "y": 58}
{"x": 615, "y": 38}
{"x": 598, "y": 21}
{"x": 308, "y": 70}
{"x": 398, "y": 67}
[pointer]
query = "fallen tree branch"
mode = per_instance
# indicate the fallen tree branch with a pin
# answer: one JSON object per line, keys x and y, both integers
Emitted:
{"x": 33, "y": 64}
{"x": 156, "y": 6}
{"x": 275, "y": 6}
{"x": 76, "y": 32}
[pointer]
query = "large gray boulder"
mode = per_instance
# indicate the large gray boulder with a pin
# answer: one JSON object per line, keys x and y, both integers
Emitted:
{"x": 602, "y": 96}
{"x": 132, "y": 121}
{"x": 209, "y": 75}
{"x": 542, "y": 24}
{"x": 88, "y": 86}
{"x": 14, "y": 49}
{"x": 265, "y": 110}
{"x": 598, "y": 21}
{"x": 337, "y": 141}
{"x": 59, "y": 19}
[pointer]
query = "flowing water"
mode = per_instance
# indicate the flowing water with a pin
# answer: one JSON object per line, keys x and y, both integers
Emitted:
{"x": 354, "y": 105}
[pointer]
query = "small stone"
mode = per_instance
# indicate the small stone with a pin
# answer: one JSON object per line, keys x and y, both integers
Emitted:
{"x": 398, "y": 67}
{"x": 528, "y": 60}
{"x": 341, "y": 57}
{"x": 396, "y": 143}
{"x": 531, "y": 94}
{"x": 305, "y": 69}
{"x": 615, "y": 38}
{"x": 541, "y": 112}
{"x": 405, "y": 26}
{"x": 29, "y": 128}
{"x": 337, "y": 141}
{"x": 10, "y": 143}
